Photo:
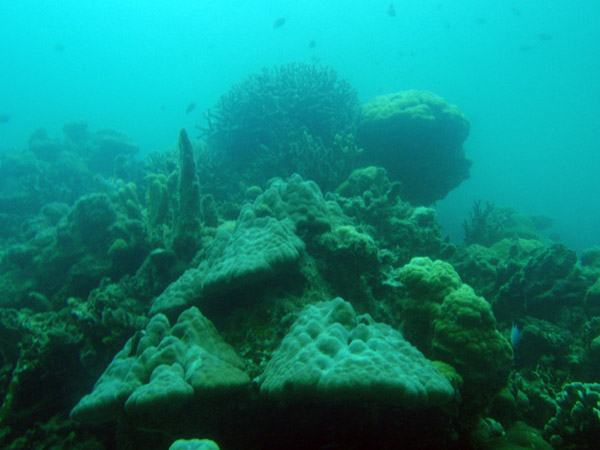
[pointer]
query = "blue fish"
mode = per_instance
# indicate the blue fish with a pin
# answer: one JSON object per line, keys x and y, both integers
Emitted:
{"x": 515, "y": 335}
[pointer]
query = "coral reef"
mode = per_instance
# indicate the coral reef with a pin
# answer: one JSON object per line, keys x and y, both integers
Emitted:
{"x": 545, "y": 287}
{"x": 241, "y": 241}
{"x": 577, "y": 421}
{"x": 375, "y": 203}
{"x": 490, "y": 223}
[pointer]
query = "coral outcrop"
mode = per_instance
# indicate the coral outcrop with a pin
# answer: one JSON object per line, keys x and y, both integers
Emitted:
{"x": 161, "y": 369}
{"x": 449, "y": 322}
{"x": 332, "y": 354}
{"x": 292, "y": 118}
{"x": 418, "y": 137}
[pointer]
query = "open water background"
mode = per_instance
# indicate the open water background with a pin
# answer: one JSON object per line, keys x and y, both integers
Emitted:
{"x": 524, "y": 72}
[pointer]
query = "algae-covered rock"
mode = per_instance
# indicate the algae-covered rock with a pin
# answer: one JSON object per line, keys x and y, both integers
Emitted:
{"x": 543, "y": 342}
{"x": 106, "y": 150}
{"x": 88, "y": 222}
{"x": 348, "y": 259}
{"x": 417, "y": 136}
{"x": 592, "y": 298}
{"x": 41, "y": 353}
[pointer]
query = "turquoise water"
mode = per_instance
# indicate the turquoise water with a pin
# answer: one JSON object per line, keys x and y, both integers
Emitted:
{"x": 524, "y": 72}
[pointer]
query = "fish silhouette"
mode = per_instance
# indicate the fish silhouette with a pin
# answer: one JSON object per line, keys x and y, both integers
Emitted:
{"x": 190, "y": 107}
{"x": 279, "y": 22}
{"x": 391, "y": 11}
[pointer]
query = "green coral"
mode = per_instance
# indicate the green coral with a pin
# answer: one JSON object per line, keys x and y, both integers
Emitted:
{"x": 577, "y": 421}
{"x": 157, "y": 199}
{"x": 449, "y": 322}
{"x": 187, "y": 224}
{"x": 331, "y": 353}
{"x": 417, "y": 136}
{"x": 465, "y": 335}
{"x": 163, "y": 367}
{"x": 194, "y": 444}
{"x": 489, "y": 223}
{"x": 374, "y": 202}
{"x": 311, "y": 116}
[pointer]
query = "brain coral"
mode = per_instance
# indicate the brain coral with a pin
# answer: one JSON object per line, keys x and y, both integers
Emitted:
{"x": 417, "y": 136}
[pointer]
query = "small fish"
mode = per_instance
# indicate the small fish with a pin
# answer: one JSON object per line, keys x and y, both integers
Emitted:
{"x": 391, "y": 11}
{"x": 515, "y": 335}
{"x": 312, "y": 43}
{"x": 279, "y": 22}
{"x": 545, "y": 36}
{"x": 4, "y": 118}
{"x": 58, "y": 47}
{"x": 190, "y": 107}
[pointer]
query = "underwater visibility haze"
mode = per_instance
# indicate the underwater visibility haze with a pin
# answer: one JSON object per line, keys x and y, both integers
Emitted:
{"x": 317, "y": 224}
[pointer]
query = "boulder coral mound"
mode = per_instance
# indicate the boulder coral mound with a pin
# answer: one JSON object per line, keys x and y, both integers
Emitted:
{"x": 418, "y": 137}
{"x": 449, "y": 322}
{"x": 194, "y": 444}
{"x": 332, "y": 353}
{"x": 162, "y": 368}
{"x": 264, "y": 245}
